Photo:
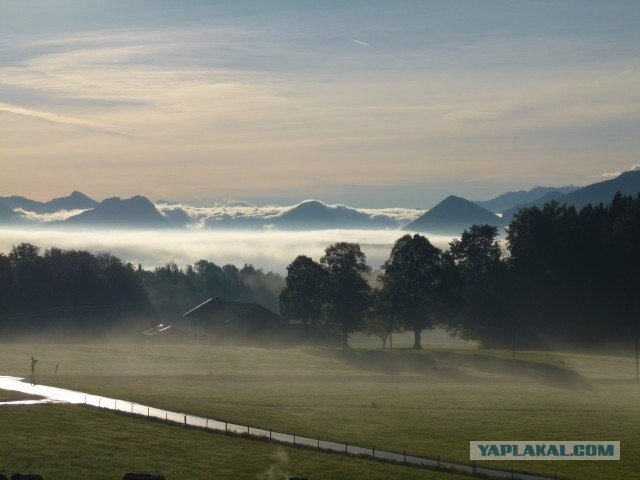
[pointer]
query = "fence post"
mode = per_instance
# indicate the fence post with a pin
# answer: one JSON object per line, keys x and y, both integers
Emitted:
{"x": 346, "y": 447}
{"x": 115, "y": 406}
{"x": 166, "y": 417}
{"x": 373, "y": 451}
{"x": 405, "y": 456}
{"x": 225, "y": 427}
{"x": 99, "y": 400}
{"x": 148, "y": 412}
{"x": 318, "y": 443}
{"x": 207, "y": 424}
{"x": 132, "y": 409}
{"x": 269, "y": 434}
{"x": 248, "y": 433}
{"x": 294, "y": 439}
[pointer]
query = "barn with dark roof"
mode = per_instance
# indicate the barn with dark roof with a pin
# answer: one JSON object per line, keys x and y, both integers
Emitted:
{"x": 221, "y": 321}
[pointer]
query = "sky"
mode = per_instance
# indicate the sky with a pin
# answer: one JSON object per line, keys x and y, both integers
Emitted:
{"x": 366, "y": 103}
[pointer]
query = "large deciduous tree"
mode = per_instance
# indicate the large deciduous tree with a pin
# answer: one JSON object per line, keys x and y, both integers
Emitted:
{"x": 305, "y": 293}
{"x": 349, "y": 294}
{"x": 477, "y": 252}
{"x": 415, "y": 277}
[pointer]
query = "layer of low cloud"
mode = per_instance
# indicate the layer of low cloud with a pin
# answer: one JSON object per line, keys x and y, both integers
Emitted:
{"x": 196, "y": 217}
{"x": 269, "y": 250}
{"x": 238, "y": 210}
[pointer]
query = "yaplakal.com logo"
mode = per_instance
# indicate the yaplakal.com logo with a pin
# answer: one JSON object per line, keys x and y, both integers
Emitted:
{"x": 533, "y": 450}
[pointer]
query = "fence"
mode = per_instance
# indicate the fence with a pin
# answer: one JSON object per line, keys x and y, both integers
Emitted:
{"x": 195, "y": 421}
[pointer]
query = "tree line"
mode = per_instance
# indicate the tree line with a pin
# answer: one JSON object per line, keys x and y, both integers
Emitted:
{"x": 75, "y": 290}
{"x": 41, "y": 291}
{"x": 561, "y": 277}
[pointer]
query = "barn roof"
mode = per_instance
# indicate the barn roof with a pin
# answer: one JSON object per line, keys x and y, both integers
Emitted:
{"x": 227, "y": 312}
{"x": 204, "y": 306}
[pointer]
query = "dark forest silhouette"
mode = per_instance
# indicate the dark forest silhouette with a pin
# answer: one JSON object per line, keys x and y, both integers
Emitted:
{"x": 68, "y": 291}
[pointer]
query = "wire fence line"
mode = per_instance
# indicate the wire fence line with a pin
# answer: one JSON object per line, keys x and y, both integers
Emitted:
{"x": 62, "y": 395}
{"x": 194, "y": 421}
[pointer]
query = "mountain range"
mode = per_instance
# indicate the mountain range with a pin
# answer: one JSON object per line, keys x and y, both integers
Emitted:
{"x": 509, "y": 200}
{"x": 627, "y": 183}
{"x": 451, "y": 216}
{"x": 135, "y": 211}
{"x": 75, "y": 201}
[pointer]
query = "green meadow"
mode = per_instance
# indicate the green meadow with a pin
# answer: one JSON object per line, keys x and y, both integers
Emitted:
{"x": 72, "y": 442}
{"x": 429, "y": 403}
{"x": 10, "y": 396}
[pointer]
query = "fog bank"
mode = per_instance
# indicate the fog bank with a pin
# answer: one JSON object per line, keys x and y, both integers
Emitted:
{"x": 269, "y": 250}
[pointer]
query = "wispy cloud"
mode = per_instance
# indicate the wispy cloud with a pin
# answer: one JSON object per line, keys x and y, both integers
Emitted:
{"x": 77, "y": 123}
{"x": 634, "y": 168}
{"x": 48, "y": 217}
{"x": 253, "y": 108}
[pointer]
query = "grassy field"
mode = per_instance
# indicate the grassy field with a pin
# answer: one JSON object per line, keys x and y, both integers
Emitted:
{"x": 9, "y": 396}
{"x": 429, "y": 403}
{"x": 75, "y": 443}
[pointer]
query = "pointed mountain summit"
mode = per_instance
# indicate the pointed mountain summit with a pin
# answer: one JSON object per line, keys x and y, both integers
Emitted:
{"x": 135, "y": 211}
{"x": 452, "y": 216}
{"x": 24, "y": 203}
{"x": 314, "y": 215}
{"x": 75, "y": 201}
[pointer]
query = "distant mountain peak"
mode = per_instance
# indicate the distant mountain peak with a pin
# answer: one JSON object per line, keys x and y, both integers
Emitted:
{"x": 311, "y": 202}
{"x": 453, "y": 215}
{"x": 452, "y": 199}
{"x": 314, "y": 214}
{"x": 75, "y": 201}
{"x": 238, "y": 203}
{"x": 137, "y": 210}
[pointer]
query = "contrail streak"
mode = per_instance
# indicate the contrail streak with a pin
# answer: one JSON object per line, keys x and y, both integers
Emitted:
{"x": 359, "y": 42}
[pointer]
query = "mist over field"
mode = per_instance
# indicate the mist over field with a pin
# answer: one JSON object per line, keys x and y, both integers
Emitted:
{"x": 269, "y": 250}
